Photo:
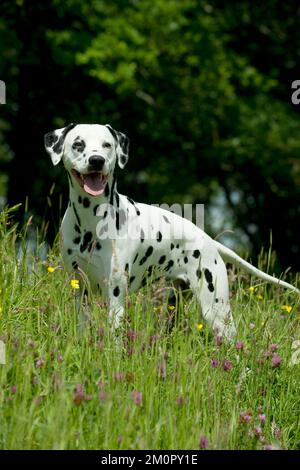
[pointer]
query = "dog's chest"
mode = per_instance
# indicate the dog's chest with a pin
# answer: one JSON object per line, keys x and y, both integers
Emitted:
{"x": 81, "y": 246}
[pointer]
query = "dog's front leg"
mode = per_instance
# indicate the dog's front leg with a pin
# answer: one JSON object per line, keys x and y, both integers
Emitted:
{"x": 80, "y": 307}
{"x": 117, "y": 298}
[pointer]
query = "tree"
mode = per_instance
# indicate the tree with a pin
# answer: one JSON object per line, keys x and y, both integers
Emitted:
{"x": 205, "y": 108}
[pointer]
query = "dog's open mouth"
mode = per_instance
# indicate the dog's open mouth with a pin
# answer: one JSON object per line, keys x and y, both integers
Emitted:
{"x": 92, "y": 183}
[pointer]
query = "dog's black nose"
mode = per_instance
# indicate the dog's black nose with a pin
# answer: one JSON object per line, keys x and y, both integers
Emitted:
{"x": 96, "y": 162}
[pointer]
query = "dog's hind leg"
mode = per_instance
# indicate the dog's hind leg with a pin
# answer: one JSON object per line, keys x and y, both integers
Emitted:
{"x": 210, "y": 288}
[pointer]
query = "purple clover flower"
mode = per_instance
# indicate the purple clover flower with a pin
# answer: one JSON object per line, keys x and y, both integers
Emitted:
{"x": 245, "y": 417}
{"x": 40, "y": 363}
{"x": 215, "y": 363}
{"x": 203, "y": 442}
{"x": 257, "y": 431}
{"x": 136, "y": 397}
{"x": 80, "y": 395}
{"x": 227, "y": 365}
{"x": 119, "y": 376}
{"x": 276, "y": 360}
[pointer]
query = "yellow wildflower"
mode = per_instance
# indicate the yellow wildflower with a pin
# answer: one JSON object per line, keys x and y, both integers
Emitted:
{"x": 171, "y": 307}
{"x": 287, "y": 308}
{"x": 50, "y": 269}
{"x": 251, "y": 289}
{"x": 74, "y": 283}
{"x": 200, "y": 326}
{"x": 259, "y": 297}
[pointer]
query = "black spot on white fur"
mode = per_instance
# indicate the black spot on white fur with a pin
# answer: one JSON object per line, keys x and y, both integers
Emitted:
{"x": 209, "y": 280}
{"x": 86, "y": 202}
{"x": 147, "y": 254}
{"x": 116, "y": 291}
{"x": 87, "y": 238}
{"x": 208, "y": 275}
{"x": 76, "y": 215}
{"x": 169, "y": 265}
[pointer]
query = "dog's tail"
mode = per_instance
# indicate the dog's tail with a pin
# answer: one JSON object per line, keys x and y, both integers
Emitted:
{"x": 231, "y": 257}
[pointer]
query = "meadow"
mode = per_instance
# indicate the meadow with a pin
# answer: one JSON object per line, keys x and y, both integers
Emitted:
{"x": 165, "y": 384}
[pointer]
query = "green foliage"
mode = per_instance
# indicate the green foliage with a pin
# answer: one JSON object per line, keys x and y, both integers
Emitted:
{"x": 202, "y": 90}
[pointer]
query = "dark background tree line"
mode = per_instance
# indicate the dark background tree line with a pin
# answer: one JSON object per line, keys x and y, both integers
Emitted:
{"x": 202, "y": 88}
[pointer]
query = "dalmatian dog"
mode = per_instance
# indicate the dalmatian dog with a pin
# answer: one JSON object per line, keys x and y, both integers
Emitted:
{"x": 118, "y": 243}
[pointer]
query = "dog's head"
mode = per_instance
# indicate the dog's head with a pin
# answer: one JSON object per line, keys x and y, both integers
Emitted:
{"x": 89, "y": 153}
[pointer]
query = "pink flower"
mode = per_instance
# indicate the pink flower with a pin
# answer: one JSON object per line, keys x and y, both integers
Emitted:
{"x": 239, "y": 345}
{"x": 14, "y": 389}
{"x": 136, "y": 397}
{"x": 276, "y": 360}
{"x": 257, "y": 431}
{"x": 152, "y": 339}
{"x": 262, "y": 417}
{"x": 215, "y": 363}
{"x": 130, "y": 351}
{"x": 119, "y": 376}
{"x": 227, "y": 365}
{"x": 203, "y": 443}
{"x": 35, "y": 380}
{"x": 131, "y": 335}
{"x": 270, "y": 447}
{"x": 273, "y": 347}
{"x": 276, "y": 430}
{"x": 102, "y": 396}
{"x": 80, "y": 395}
{"x": 245, "y": 417}
{"x": 40, "y": 363}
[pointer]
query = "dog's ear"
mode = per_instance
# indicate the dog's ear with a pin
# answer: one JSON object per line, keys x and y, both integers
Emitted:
{"x": 122, "y": 146}
{"x": 54, "y": 142}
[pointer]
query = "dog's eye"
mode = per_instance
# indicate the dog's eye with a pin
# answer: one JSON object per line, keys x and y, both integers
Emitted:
{"x": 78, "y": 145}
{"x": 107, "y": 145}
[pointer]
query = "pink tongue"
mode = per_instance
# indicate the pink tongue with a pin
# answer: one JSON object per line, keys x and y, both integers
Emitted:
{"x": 93, "y": 184}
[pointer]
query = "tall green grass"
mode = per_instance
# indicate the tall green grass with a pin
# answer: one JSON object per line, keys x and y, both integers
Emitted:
{"x": 166, "y": 384}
